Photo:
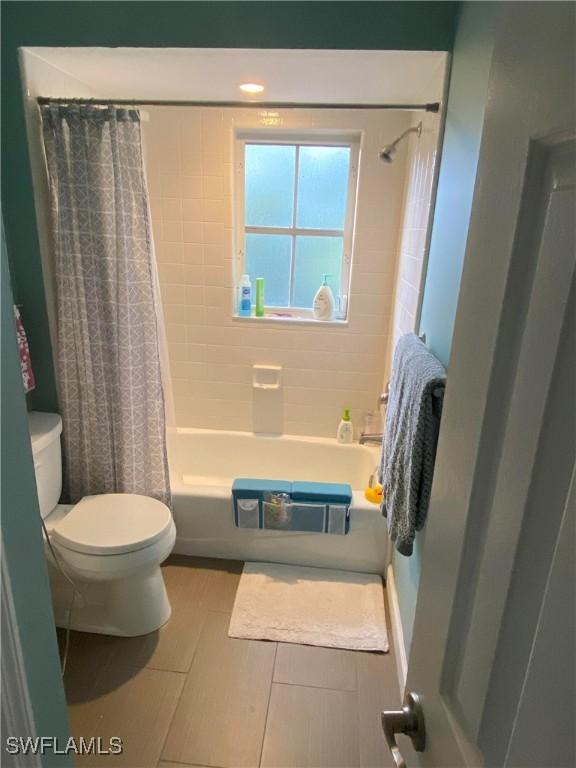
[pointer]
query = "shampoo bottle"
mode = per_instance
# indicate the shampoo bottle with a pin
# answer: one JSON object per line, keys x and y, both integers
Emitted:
{"x": 324, "y": 301}
{"x": 245, "y": 299}
{"x": 345, "y": 432}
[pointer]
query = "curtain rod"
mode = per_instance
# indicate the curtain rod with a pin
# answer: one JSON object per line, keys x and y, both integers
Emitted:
{"x": 434, "y": 107}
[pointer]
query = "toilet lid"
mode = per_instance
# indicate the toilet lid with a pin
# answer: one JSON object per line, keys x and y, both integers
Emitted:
{"x": 112, "y": 523}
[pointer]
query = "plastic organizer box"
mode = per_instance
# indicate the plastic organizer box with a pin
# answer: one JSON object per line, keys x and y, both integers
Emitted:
{"x": 282, "y": 505}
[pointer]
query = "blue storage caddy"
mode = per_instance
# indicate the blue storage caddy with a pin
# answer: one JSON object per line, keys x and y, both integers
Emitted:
{"x": 297, "y": 506}
{"x": 248, "y": 496}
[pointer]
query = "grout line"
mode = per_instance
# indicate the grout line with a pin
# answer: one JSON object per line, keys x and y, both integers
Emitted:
{"x": 318, "y": 687}
{"x": 205, "y": 611}
{"x": 268, "y": 706}
{"x": 187, "y": 765}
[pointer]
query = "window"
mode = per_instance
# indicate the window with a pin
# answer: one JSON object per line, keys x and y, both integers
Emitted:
{"x": 295, "y": 204}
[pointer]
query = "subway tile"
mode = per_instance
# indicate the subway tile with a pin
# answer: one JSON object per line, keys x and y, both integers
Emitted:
{"x": 189, "y": 371}
{"x": 213, "y": 276}
{"x": 190, "y": 128}
{"x": 219, "y": 316}
{"x": 212, "y": 164}
{"x": 213, "y": 389}
{"x": 174, "y": 313}
{"x": 228, "y": 372}
{"x": 192, "y": 232}
{"x": 213, "y": 233}
{"x": 213, "y": 187}
{"x": 191, "y": 160}
{"x": 308, "y": 428}
{"x": 214, "y": 255}
{"x": 195, "y": 316}
{"x": 217, "y": 296}
{"x": 170, "y": 252}
{"x": 226, "y": 337}
{"x": 178, "y": 352}
{"x": 192, "y": 209}
{"x": 333, "y": 398}
{"x": 197, "y": 353}
{"x": 197, "y": 333}
{"x": 173, "y": 295}
{"x": 369, "y": 305}
{"x": 171, "y": 209}
{"x": 172, "y": 232}
{"x": 192, "y": 186}
{"x": 213, "y": 210}
{"x": 374, "y": 285}
{"x": 192, "y": 274}
{"x": 175, "y": 333}
{"x": 171, "y": 185}
{"x": 194, "y": 294}
{"x": 193, "y": 253}
{"x": 171, "y": 273}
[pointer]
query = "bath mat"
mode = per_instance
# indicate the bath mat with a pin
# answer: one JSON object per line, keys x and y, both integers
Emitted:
{"x": 313, "y": 606}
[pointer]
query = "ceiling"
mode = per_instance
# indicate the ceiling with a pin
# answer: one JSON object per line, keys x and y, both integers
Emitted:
{"x": 213, "y": 74}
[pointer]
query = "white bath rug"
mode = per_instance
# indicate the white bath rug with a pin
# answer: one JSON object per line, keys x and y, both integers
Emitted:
{"x": 313, "y": 606}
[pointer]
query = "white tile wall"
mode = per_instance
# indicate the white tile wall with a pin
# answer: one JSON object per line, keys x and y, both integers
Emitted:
{"x": 189, "y": 154}
{"x": 421, "y": 164}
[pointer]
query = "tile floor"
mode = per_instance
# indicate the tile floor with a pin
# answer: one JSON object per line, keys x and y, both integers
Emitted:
{"x": 188, "y": 695}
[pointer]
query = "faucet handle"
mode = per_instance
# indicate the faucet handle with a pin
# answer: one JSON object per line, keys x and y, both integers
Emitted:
{"x": 383, "y": 398}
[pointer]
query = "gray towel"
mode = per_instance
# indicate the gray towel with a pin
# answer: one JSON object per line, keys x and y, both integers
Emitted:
{"x": 410, "y": 436}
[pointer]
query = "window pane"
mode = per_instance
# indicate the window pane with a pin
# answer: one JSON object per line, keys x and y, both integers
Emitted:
{"x": 315, "y": 256}
{"x": 269, "y": 170}
{"x": 268, "y": 256}
{"x": 322, "y": 187}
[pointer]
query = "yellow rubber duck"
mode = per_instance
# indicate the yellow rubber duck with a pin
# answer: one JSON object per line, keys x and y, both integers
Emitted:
{"x": 374, "y": 494}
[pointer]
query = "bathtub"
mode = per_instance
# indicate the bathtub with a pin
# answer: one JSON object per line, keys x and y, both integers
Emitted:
{"x": 203, "y": 465}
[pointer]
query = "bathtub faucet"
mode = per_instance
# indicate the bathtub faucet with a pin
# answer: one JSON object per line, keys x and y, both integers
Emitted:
{"x": 370, "y": 437}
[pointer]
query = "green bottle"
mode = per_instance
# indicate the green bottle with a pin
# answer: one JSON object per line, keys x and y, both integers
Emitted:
{"x": 259, "y": 297}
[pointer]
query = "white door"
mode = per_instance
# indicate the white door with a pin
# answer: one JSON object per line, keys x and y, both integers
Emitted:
{"x": 493, "y": 650}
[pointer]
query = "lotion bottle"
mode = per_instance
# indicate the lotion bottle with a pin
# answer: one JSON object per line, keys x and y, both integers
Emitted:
{"x": 324, "y": 301}
{"x": 345, "y": 432}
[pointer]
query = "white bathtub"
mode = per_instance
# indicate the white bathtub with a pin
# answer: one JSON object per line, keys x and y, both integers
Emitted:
{"x": 203, "y": 465}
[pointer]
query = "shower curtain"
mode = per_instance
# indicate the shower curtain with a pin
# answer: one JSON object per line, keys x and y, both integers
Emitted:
{"x": 108, "y": 354}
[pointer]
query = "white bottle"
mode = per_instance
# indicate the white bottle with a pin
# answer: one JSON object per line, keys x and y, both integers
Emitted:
{"x": 245, "y": 298}
{"x": 345, "y": 433}
{"x": 324, "y": 301}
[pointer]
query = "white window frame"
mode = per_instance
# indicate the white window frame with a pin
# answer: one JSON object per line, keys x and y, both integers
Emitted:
{"x": 350, "y": 139}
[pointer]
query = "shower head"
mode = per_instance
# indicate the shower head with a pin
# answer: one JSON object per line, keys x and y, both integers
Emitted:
{"x": 388, "y": 152}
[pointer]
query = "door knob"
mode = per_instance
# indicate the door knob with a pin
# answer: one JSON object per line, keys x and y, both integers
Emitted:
{"x": 410, "y": 721}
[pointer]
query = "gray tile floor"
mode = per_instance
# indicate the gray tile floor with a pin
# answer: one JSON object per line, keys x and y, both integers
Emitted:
{"x": 188, "y": 695}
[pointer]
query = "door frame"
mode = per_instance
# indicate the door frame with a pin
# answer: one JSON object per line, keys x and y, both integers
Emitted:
{"x": 17, "y": 715}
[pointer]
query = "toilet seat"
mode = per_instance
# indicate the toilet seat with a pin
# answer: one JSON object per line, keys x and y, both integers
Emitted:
{"x": 113, "y": 524}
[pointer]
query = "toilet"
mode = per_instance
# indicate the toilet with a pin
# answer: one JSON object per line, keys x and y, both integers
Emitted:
{"x": 110, "y": 545}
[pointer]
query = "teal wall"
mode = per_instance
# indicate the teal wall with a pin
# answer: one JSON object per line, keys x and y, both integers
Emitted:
{"x": 23, "y": 546}
{"x": 345, "y": 25}
{"x": 464, "y": 119}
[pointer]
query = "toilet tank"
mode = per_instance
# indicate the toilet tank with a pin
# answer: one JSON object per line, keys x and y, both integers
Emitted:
{"x": 45, "y": 431}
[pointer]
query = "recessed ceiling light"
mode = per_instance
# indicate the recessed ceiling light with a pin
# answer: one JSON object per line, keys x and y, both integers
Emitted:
{"x": 251, "y": 87}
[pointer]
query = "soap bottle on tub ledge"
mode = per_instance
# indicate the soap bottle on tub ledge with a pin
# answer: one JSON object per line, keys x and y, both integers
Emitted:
{"x": 345, "y": 433}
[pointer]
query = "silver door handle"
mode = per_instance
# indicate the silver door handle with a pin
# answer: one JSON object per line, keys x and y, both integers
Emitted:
{"x": 410, "y": 721}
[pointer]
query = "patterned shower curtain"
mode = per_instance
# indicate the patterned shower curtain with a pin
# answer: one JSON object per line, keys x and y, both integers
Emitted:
{"x": 108, "y": 362}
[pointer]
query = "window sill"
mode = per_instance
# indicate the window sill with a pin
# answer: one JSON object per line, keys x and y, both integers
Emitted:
{"x": 289, "y": 320}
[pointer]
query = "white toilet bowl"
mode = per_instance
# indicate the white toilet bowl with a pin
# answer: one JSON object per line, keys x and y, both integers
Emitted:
{"x": 111, "y": 546}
